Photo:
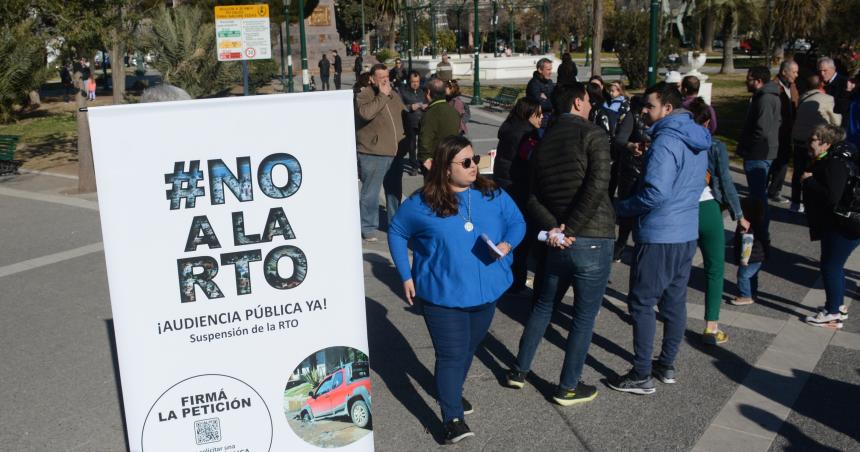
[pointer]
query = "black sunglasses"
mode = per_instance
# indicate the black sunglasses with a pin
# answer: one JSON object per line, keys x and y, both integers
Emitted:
{"x": 467, "y": 163}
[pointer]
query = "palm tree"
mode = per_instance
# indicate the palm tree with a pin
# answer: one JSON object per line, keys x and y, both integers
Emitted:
{"x": 597, "y": 42}
{"x": 732, "y": 10}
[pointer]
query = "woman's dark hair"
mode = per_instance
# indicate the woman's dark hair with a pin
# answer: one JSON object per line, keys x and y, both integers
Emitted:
{"x": 455, "y": 88}
{"x": 525, "y": 108}
{"x": 361, "y": 82}
{"x": 699, "y": 109}
{"x": 437, "y": 193}
{"x": 595, "y": 93}
{"x": 597, "y": 78}
{"x": 566, "y": 57}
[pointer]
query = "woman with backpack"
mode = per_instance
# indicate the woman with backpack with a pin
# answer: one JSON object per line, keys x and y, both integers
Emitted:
{"x": 829, "y": 184}
{"x": 629, "y": 146}
{"x": 452, "y": 92}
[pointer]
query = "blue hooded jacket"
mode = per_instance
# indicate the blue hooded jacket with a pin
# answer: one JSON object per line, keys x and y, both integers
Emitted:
{"x": 666, "y": 202}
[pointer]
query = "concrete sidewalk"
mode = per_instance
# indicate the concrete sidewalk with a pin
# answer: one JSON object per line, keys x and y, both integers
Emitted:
{"x": 777, "y": 384}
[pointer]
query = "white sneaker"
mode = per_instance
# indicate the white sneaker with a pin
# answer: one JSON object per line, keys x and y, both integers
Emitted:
{"x": 843, "y": 311}
{"x": 797, "y": 207}
{"x": 826, "y": 320}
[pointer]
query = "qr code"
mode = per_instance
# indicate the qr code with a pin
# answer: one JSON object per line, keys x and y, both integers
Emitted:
{"x": 207, "y": 430}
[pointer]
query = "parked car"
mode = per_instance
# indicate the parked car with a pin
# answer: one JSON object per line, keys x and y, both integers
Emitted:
{"x": 800, "y": 45}
{"x": 344, "y": 392}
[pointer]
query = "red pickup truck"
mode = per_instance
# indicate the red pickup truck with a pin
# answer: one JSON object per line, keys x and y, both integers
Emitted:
{"x": 344, "y": 392}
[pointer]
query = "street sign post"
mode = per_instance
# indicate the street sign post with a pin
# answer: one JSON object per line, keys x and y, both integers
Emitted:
{"x": 242, "y": 33}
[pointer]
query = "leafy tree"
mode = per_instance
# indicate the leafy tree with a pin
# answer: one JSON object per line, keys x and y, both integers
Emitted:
{"x": 183, "y": 41}
{"x": 22, "y": 65}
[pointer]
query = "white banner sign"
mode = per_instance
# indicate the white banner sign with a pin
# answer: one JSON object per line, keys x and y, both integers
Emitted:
{"x": 235, "y": 267}
{"x": 242, "y": 32}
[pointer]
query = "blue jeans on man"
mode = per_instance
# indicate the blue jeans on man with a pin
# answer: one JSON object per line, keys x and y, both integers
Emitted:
{"x": 586, "y": 265}
{"x": 835, "y": 250}
{"x": 456, "y": 334}
{"x": 372, "y": 170}
{"x": 659, "y": 277}
{"x": 757, "y": 172}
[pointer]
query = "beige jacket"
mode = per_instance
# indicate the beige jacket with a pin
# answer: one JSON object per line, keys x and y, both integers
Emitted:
{"x": 815, "y": 108}
{"x": 380, "y": 122}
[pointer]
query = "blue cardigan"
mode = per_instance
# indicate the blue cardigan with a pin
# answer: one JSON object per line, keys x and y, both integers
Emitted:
{"x": 451, "y": 266}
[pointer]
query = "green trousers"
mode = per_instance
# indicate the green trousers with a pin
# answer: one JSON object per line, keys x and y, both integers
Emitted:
{"x": 712, "y": 242}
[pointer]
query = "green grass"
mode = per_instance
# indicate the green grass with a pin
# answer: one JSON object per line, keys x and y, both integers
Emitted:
{"x": 39, "y": 130}
{"x": 299, "y": 390}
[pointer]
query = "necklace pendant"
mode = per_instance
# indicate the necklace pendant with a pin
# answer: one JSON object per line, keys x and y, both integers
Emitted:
{"x": 468, "y": 226}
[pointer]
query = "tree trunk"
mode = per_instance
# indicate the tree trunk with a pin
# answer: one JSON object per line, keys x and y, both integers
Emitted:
{"x": 117, "y": 68}
{"x": 710, "y": 30}
{"x": 86, "y": 173}
{"x": 392, "y": 32}
{"x": 730, "y": 27}
{"x": 597, "y": 42}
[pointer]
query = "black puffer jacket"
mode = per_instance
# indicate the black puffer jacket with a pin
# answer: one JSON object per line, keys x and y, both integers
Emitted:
{"x": 570, "y": 180}
{"x": 510, "y": 135}
{"x": 760, "y": 136}
{"x": 822, "y": 191}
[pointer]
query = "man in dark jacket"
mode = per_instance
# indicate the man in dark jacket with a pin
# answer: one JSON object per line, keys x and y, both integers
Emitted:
{"x": 570, "y": 180}
{"x": 666, "y": 207}
{"x": 413, "y": 99}
{"x": 836, "y": 85}
{"x": 440, "y": 120}
{"x": 759, "y": 141}
{"x": 540, "y": 87}
{"x": 788, "y": 98}
{"x": 325, "y": 68}
{"x": 338, "y": 68}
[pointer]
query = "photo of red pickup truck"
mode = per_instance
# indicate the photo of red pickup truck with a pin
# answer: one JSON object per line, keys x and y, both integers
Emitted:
{"x": 344, "y": 392}
{"x": 327, "y": 398}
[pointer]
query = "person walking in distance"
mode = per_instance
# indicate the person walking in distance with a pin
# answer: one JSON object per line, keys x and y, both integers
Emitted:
{"x": 570, "y": 198}
{"x": 325, "y": 72}
{"x": 758, "y": 144}
{"x": 788, "y": 99}
{"x": 461, "y": 229}
{"x": 666, "y": 207}
{"x": 378, "y": 135}
{"x": 337, "y": 64}
{"x": 413, "y": 97}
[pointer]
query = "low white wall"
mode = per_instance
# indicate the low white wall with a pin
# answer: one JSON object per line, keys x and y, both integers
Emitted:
{"x": 491, "y": 68}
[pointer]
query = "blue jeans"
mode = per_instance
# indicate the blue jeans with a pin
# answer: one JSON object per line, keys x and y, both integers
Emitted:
{"x": 835, "y": 250}
{"x": 757, "y": 172}
{"x": 659, "y": 277}
{"x": 456, "y": 334}
{"x": 372, "y": 169}
{"x": 748, "y": 279}
{"x": 393, "y": 185}
{"x": 586, "y": 264}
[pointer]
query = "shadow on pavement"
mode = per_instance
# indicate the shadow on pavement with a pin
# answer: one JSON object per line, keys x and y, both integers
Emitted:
{"x": 822, "y": 399}
{"x": 386, "y": 340}
{"x": 799, "y": 441}
{"x": 115, "y": 359}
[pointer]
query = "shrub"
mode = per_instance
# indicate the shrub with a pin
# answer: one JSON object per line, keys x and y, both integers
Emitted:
{"x": 183, "y": 41}
{"x": 383, "y": 55}
{"x": 21, "y": 66}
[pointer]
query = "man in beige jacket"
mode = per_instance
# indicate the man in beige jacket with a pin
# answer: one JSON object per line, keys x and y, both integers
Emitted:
{"x": 815, "y": 108}
{"x": 380, "y": 129}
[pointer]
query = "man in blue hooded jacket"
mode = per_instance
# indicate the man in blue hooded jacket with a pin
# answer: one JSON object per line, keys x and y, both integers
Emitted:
{"x": 666, "y": 208}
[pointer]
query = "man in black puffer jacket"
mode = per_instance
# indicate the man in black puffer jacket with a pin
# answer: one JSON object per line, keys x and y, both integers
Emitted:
{"x": 569, "y": 183}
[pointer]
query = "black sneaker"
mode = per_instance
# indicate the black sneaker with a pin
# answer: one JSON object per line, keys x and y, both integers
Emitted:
{"x": 516, "y": 379}
{"x": 778, "y": 199}
{"x": 582, "y": 393}
{"x": 467, "y": 407}
{"x": 634, "y": 384}
{"x": 618, "y": 253}
{"x": 456, "y": 430}
{"x": 665, "y": 374}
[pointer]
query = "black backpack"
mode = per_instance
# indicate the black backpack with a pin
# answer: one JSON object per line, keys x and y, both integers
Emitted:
{"x": 847, "y": 210}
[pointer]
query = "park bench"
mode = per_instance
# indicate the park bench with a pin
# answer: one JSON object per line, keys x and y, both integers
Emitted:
{"x": 8, "y": 165}
{"x": 505, "y": 98}
{"x": 612, "y": 70}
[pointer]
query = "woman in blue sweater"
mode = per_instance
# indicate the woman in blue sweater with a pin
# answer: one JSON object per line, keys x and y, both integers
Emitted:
{"x": 456, "y": 274}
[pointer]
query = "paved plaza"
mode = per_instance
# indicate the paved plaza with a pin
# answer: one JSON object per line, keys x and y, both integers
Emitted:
{"x": 778, "y": 384}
